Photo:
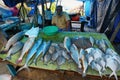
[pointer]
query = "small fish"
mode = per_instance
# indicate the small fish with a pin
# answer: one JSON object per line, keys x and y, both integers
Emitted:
{"x": 47, "y": 57}
{"x": 102, "y": 63}
{"x": 39, "y": 52}
{"x": 92, "y": 40}
{"x": 102, "y": 44}
{"x": 52, "y": 49}
{"x": 113, "y": 65}
{"x": 65, "y": 55}
{"x": 75, "y": 55}
{"x": 67, "y": 43}
{"x": 15, "y": 48}
{"x": 31, "y": 53}
{"x": 96, "y": 67}
{"x": 27, "y": 46}
{"x": 46, "y": 47}
{"x": 13, "y": 40}
{"x": 90, "y": 58}
{"x": 55, "y": 55}
{"x": 97, "y": 54}
{"x": 84, "y": 61}
{"x": 60, "y": 60}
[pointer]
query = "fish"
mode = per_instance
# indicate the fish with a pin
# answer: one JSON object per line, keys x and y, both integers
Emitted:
{"x": 84, "y": 62}
{"x": 67, "y": 43}
{"x": 15, "y": 48}
{"x": 46, "y": 48}
{"x": 39, "y": 52}
{"x": 55, "y": 55}
{"x": 60, "y": 60}
{"x": 31, "y": 54}
{"x": 102, "y": 44}
{"x": 97, "y": 53}
{"x": 75, "y": 55}
{"x": 102, "y": 63}
{"x": 52, "y": 49}
{"x": 92, "y": 40}
{"x": 13, "y": 40}
{"x": 47, "y": 57}
{"x": 96, "y": 67}
{"x": 33, "y": 32}
{"x": 65, "y": 55}
{"x": 27, "y": 46}
{"x": 113, "y": 65}
{"x": 90, "y": 58}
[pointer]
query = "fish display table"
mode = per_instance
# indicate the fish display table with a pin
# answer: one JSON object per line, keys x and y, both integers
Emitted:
{"x": 67, "y": 66}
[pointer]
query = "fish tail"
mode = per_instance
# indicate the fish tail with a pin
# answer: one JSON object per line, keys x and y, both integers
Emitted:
{"x": 35, "y": 61}
{"x": 7, "y": 58}
{"x": 83, "y": 74}
{"x": 113, "y": 73}
{"x": 25, "y": 66}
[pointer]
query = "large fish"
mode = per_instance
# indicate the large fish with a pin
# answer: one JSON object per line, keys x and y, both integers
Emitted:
{"x": 75, "y": 55}
{"x": 27, "y": 46}
{"x": 39, "y": 52}
{"x": 113, "y": 65}
{"x": 67, "y": 43}
{"x": 84, "y": 61}
{"x": 15, "y": 48}
{"x": 31, "y": 53}
{"x": 13, "y": 40}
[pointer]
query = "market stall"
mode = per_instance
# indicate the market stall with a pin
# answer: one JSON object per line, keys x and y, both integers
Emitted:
{"x": 67, "y": 66}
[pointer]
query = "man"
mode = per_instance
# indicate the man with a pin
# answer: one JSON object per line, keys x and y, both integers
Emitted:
{"x": 61, "y": 19}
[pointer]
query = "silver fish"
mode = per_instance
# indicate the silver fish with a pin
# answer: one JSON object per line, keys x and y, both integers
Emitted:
{"x": 27, "y": 46}
{"x": 65, "y": 55}
{"x": 60, "y": 60}
{"x": 102, "y": 63}
{"x": 67, "y": 43}
{"x": 39, "y": 52}
{"x": 92, "y": 40}
{"x": 47, "y": 58}
{"x": 55, "y": 55}
{"x": 13, "y": 40}
{"x": 89, "y": 58}
{"x": 52, "y": 49}
{"x": 102, "y": 44}
{"x": 46, "y": 48}
{"x": 96, "y": 67}
{"x": 113, "y": 65}
{"x": 84, "y": 61}
{"x": 97, "y": 54}
{"x": 75, "y": 55}
{"x": 31, "y": 53}
{"x": 15, "y": 48}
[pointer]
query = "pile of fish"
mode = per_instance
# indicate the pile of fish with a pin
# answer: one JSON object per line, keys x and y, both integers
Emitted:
{"x": 81, "y": 50}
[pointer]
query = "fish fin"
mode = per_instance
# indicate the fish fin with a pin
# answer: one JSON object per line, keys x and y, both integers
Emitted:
{"x": 23, "y": 67}
{"x": 83, "y": 74}
{"x": 113, "y": 73}
{"x": 100, "y": 73}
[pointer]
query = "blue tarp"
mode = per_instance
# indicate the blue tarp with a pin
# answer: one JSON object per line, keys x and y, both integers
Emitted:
{"x": 116, "y": 22}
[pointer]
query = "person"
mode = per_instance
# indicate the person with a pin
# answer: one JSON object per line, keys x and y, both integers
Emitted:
{"x": 61, "y": 19}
